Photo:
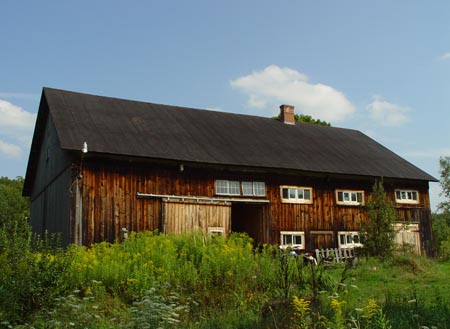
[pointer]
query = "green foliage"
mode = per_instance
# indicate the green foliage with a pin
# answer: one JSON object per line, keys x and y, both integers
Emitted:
{"x": 194, "y": 281}
{"x": 378, "y": 231}
{"x": 445, "y": 183}
{"x": 441, "y": 233}
{"x": 307, "y": 119}
{"x": 14, "y": 214}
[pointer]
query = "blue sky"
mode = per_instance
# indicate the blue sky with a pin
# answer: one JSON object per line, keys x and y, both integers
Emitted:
{"x": 382, "y": 67}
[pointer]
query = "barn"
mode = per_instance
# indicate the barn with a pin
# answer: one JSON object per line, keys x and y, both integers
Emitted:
{"x": 100, "y": 167}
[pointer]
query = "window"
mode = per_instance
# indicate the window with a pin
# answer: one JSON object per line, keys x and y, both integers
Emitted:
{"x": 407, "y": 196}
{"x": 350, "y": 198}
{"x": 253, "y": 188}
{"x": 296, "y": 194}
{"x": 349, "y": 240}
{"x": 228, "y": 187}
{"x": 293, "y": 239}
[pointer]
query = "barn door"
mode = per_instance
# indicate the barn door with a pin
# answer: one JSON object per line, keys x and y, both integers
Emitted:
{"x": 408, "y": 234}
{"x": 181, "y": 216}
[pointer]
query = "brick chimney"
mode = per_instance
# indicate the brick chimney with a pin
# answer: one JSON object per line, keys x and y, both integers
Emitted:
{"x": 287, "y": 114}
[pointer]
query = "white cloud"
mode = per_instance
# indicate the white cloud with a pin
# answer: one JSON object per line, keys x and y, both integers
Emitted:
{"x": 10, "y": 150}
{"x": 14, "y": 117}
{"x": 445, "y": 56}
{"x": 16, "y": 128}
{"x": 388, "y": 114}
{"x": 273, "y": 86}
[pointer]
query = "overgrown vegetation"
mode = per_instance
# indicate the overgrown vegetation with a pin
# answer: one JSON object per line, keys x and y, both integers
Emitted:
{"x": 192, "y": 281}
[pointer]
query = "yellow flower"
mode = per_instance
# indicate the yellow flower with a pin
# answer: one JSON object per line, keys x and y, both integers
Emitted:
{"x": 301, "y": 305}
{"x": 370, "y": 309}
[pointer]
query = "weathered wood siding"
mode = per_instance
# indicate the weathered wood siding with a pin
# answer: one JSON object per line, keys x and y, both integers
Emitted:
{"x": 109, "y": 203}
{"x": 50, "y": 197}
{"x": 191, "y": 216}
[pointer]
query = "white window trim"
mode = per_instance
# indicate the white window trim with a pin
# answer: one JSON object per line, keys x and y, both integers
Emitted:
{"x": 407, "y": 201}
{"x": 350, "y": 203}
{"x": 296, "y": 200}
{"x": 293, "y": 233}
{"x": 349, "y": 245}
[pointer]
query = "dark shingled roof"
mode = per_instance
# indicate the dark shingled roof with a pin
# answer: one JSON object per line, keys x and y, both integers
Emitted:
{"x": 138, "y": 129}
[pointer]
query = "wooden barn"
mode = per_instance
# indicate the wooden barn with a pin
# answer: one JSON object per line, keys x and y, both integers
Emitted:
{"x": 100, "y": 167}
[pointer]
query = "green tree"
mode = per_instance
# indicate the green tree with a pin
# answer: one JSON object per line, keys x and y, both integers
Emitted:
{"x": 307, "y": 119}
{"x": 378, "y": 230}
{"x": 445, "y": 183}
{"x": 14, "y": 212}
{"x": 441, "y": 221}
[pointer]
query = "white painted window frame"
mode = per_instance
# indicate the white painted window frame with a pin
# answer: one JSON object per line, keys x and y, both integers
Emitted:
{"x": 406, "y": 200}
{"x": 350, "y": 202}
{"x": 292, "y": 234}
{"x": 349, "y": 235}
{"x": 296, "y": 198}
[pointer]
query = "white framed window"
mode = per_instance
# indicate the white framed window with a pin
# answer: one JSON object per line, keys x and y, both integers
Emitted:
{"x": 349, "y": 239}
{"x": 407, "y": 196}
{"x": 253, "y": 188}
{"x": 293, "y": 239}
{"x": 350, "y": 197}
{"x": 228, "y": 187}
{"x": 296, "y": 194}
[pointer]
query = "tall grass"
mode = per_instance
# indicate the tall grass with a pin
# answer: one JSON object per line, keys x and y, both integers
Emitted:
{"x": 153, "y": 280}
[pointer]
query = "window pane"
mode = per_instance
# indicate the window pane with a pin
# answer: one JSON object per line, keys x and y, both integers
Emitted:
{"x": 349, "y": 239}
{"x": 234, "y": 188}
{"x": 247, "y": 188}
{"x": 259, "y": 188}
{"x": 287, "y": 239}
{"x": 342, "y": 238}
{"x": 307, "y": 194}
{"x": 297, "y": 239}
{"x": 292, "y": 194}
{"x": 300, "y": 193}
{"x": 354, "y": 199}
{"x": 222, "y": 187}
{"x": 403, "y": 195}
{"x": 285, "y": 193}
{"x": 414, "y": 196}
{"x": 398, "y": 195}
{"x": 355, "y": 238}
{"x": 409, "y": 195}
{"x": 360, "y": 197}
{"x": 346, "y": 196}
{"x": 340, "y": 196}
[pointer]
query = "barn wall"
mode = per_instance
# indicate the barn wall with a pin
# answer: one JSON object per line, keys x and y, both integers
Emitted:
{"x": 109, "y": 201}
{"x": 50, "y": 197}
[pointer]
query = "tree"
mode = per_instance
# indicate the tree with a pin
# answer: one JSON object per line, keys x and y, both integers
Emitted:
{"x": 378, "y": 230}
{"x": 307, "y": 119}
{"x": 14, "y": 212}
{"x": 441, "y": 222}
{"x": 445, "y": 183}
